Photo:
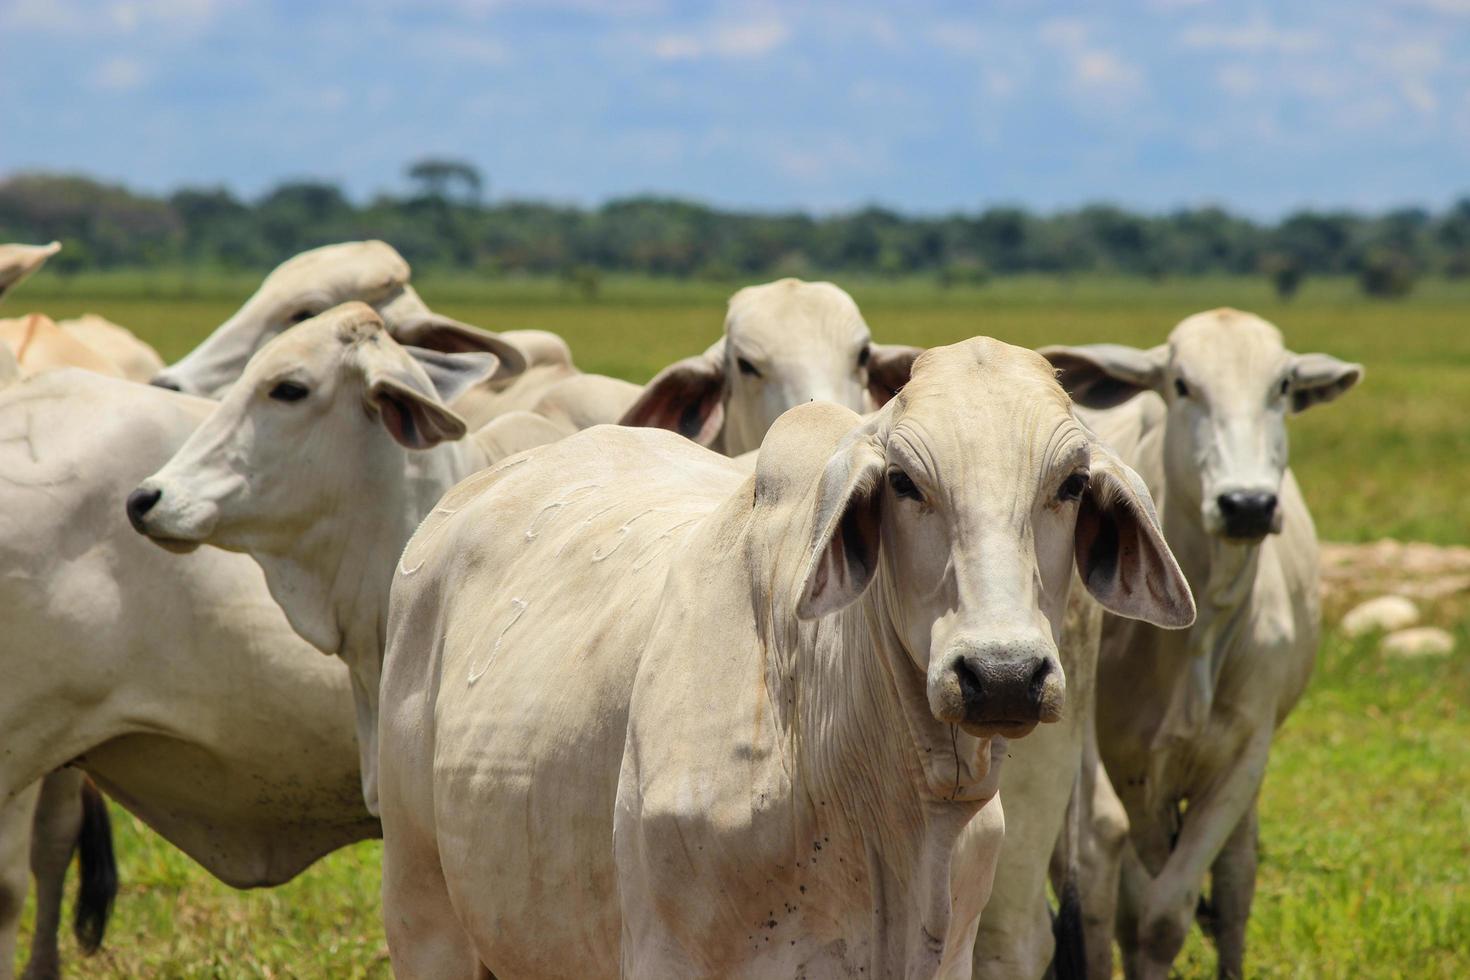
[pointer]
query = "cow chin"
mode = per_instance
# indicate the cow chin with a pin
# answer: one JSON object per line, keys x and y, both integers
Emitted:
{"x": 178, "y": 546}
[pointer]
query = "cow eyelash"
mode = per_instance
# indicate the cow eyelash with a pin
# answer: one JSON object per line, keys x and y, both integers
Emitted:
{"x": 903, "y": 486}
{"x": 1284, "y": 388}
{"x": 1073, "y": 487}
{"x": 747, "y": 368}
{"x": 300, "y": 316}
{"x": 1181, "y": 388}
{"x": 864, "y": 356}
{"x": 289, "y": 391}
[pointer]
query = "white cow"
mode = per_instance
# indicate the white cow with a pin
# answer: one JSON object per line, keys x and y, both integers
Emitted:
{"x": 317, "y": 280}
{"x": 19, "y": 261}
{"x": 786, "y": 343}
{"x": 643, "y": 711}
{"x": 1185, "y": 720}
{"x": 268, "y": 474}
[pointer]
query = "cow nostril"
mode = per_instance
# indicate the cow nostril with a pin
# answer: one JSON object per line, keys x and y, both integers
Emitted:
{"x": 1039, "y": 677}
{"x": 140, "y": 502}
{"x": 1246, "y": 504}
{"x": 164, "y": 382}
{"x": 971, "y": 689}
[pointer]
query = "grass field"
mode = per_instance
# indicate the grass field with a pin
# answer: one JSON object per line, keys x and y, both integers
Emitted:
{"x": 1365, "y": 867}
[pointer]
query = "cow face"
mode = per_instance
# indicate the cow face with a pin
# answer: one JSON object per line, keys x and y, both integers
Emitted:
{"x": 786, "y": 343}
{"x": 966, "y": 499}
{"x": 304, "y": 431}
{"x": 297, "y": 290}
{"x": 1229, "y": 384}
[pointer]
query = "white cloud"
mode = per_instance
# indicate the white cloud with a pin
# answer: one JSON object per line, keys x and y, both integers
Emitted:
{"x": 1097, "y": 74}
{"x": 1256, "y": 34}
{"x": 1455, "y": 8}
{"x": 1238, "y": 79}
{"x": 1106, "y": 69}
{"x": 731, "y": 40}
{"x": 118, "y": 75}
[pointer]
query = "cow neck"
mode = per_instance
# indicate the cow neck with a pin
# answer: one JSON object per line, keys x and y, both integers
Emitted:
{"x": 881, "y": 784}
{"x": 1222, "y": 576}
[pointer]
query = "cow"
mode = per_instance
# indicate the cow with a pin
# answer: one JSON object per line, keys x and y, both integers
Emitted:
{"x": 644, "y": 711}
{"x": 19, "y": 261}
{"x": 320, "y": 463}
{"x": 785, "y": 343}
{"x": 1186, "y": 719}
{"x": 90, "y": 342}
{"x": 315, "y": 281}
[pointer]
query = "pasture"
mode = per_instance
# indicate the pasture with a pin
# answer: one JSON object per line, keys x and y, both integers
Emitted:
{"x": 1365, "y": 867}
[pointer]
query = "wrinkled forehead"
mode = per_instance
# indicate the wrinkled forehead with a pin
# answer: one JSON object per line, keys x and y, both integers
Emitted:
{"x": 317, "y": 343}
{"x": 791, "y": 314}
{"x": 350, "y": 268}
{"x": 1226, "y": 349}
{"x": 988, "y": 400}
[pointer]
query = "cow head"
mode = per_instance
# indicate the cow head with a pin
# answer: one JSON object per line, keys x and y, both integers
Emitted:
{"x": 1229, "y": 384}
{"x": 961, "y": 506}
{"x": 311, "y": 432}
{"x": 296, "y": 291}
{"x": 786, "y": 343}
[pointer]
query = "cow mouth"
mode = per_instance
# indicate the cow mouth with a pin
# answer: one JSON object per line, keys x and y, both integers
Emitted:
{"x": 179, "y": 546}
{"x": 1007, "y": 728}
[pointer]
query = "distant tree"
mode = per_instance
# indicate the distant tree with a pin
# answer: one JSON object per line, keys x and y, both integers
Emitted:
{"x": 584, "y": 279}
{"x": 1285, "y": 272}
{"x": 438, "y": 177}
{"x": 966, "y": 270}
{"x": 1386, "y": 273}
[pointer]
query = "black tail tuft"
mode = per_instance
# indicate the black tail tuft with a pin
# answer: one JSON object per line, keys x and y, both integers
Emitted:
{"x": 98, "y": 886}
{"x": 1069, "y": 961}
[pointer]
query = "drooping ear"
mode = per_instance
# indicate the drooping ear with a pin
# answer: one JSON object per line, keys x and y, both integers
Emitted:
{"x": 1106, "y": 375}
{"x": 889, "y": 366}
{"x": 435, "y": 332}
{"x": 411, "y": 409}
{"x": 843, "y": 554}
{"x": 687, "y": 397}
{"x": 454, "y": 374}
{"x": 1318, "y": 378}
{"x": 1121, "y": 553}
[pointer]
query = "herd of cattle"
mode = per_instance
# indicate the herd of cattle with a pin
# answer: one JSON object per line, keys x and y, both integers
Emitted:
{"x": 734, "y": 686}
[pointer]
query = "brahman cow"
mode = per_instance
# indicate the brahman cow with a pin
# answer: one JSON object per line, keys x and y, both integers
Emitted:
{"x": 319, "y": 464}
{"x": 786, "y": 343}
{"x": 1185, "y": 719}
{"x": 643, "y": 711}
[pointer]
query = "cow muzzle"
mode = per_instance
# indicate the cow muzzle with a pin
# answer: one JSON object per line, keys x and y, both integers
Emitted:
{"x": 143, "y": 513}
{"x": 1006, "y": 689}
{"x": 1248, "y": 515}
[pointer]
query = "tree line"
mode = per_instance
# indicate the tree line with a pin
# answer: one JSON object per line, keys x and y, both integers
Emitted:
{"x": 442, "y": 221}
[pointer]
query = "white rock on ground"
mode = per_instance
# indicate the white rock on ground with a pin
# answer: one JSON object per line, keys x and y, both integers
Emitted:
{"x": 1421, "y": 641}
{"x": 1385, "y": 613}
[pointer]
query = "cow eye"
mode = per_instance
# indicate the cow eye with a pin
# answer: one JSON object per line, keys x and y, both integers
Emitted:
{"x": 746, "y": 367}
{"x": 903, "y": 486}
{"x": 1285, "y": 386}
{"x": 1181, "y": 388}
{"x": 299, "y": 316}
{"x": 1073, "y": 487}
{"x": 864, "y": 356}
{"x": 289, "y": 391}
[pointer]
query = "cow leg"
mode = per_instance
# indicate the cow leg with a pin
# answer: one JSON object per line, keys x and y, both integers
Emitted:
{"x": 425, "y": 938}
{"x": 57, "y": 823}
{"x": 1169, "y": 907}
{"x": 16, "y": 818}
{"x": 1104, "y": 839}
{"x": 1232, "y": 887}
{"x": 1133, "y": 882}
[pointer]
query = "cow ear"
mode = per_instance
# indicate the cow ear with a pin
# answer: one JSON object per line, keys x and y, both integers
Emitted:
{"x": 1107, "y": 375}
{"x": 440, "y": 333}
{"x": 889, "y": 366}
{"x": 1317, "y": 378}
{"x": 19, "y": 261}
{"x": 843, "y": 554}
{"x": 454, "y": 374}
{"x": 687, "y": 397}
{"x": 1121, "y": 553}
{"x": 411, "y": 409}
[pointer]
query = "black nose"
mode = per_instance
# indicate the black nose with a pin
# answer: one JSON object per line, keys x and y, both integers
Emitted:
{"x": 164, "y": 381}
{"x": 140, "y": 502}
{"x": 1247, "y": 515}
{"x": 1005, "y": 693}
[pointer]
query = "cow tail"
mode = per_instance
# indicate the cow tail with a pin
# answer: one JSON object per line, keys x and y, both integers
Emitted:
{"x": 98, "y": 886}
{"x": 1069, "y": 956}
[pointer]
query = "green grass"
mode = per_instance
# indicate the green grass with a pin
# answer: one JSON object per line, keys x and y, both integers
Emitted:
{"x": 1365, "y": 866}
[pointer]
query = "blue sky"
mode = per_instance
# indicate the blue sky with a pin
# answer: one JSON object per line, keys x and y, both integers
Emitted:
{"x": 825, "y": 105}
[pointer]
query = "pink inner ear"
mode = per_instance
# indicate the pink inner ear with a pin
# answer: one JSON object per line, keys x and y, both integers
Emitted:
{"x": 399, "y": 421}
